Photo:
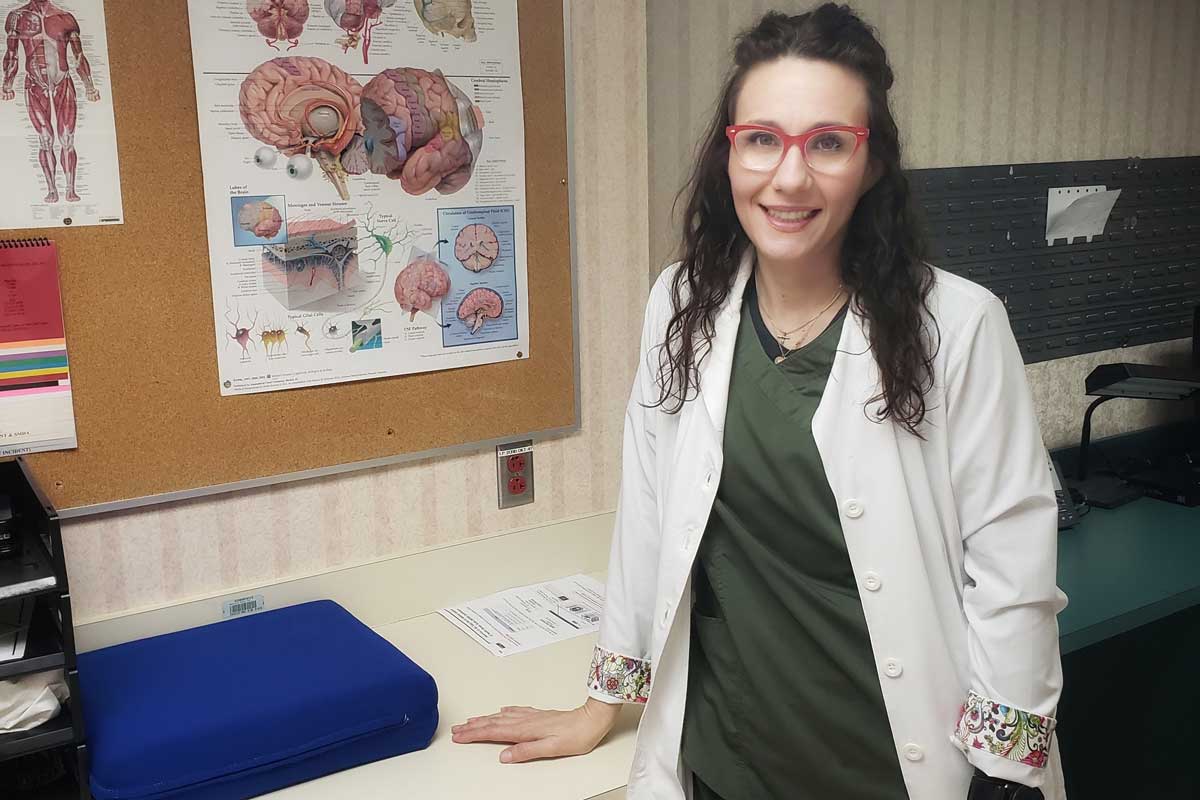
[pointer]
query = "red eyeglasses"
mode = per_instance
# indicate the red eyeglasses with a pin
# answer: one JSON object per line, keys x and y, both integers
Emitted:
{"x": 761, "y": 148}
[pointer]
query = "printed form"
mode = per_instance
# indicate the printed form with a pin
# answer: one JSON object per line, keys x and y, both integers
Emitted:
{"x": 521, "y": 619}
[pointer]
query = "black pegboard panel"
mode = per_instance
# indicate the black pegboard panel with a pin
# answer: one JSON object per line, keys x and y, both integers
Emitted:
{"x": 1136, "y": 283}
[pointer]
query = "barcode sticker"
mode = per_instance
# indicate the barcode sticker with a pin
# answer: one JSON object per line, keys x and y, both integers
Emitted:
{"x": 243, "y": 605}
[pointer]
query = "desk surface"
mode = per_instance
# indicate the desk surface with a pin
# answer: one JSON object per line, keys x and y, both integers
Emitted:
{"x": 471, "y": 682}
{"x": 1120, "y": 568}
{"x": 1125, "y": 567}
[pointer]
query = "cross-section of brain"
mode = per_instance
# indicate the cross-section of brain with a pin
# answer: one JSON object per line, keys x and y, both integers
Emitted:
{"x": 420, "y": 129}
{"x": 476, "y": 247}
{"x": 279, "y": 20}
{"x": 479, "y": 306}
{"x": 303, "y": 107}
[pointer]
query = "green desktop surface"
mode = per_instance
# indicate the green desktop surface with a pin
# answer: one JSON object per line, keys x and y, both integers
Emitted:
{"x": 1126, "y": 567}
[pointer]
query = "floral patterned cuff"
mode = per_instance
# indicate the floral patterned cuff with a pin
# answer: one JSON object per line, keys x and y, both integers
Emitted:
{"x": 1004, "y": 731}
{"x": 621, "y": 677}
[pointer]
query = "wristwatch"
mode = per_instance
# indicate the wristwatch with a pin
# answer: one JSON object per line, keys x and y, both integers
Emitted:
{"x": 985, "y": 787}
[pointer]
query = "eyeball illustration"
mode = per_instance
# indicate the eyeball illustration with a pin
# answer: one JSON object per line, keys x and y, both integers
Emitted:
{"x": 299, "y": 167}
{"x": 266, "y": 157}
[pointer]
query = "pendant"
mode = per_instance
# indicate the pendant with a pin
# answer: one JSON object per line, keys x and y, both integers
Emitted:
{"x": 779, "y": 359}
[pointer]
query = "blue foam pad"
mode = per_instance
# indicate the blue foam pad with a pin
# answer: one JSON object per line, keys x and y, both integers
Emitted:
{"x": 240, "y": 708}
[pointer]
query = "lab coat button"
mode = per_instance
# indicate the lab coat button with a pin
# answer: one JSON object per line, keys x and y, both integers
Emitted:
{"x": 871, "y": 581}
{"x": 893, "y": 668}
{"x": 852, "y": 509}
{"x": 666, "y": 615}
{"x": 708, "y": 480}
{"x": 913, "y": 752}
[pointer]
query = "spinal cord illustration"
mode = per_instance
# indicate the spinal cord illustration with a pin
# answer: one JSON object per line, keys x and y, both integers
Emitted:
{"x": 48, "y": 36}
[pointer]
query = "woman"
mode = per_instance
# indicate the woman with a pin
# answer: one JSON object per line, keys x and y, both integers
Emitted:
{"x": 835, "y": 549}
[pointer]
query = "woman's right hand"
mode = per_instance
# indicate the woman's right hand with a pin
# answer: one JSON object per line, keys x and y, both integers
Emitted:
{"x": 535, "y": 733}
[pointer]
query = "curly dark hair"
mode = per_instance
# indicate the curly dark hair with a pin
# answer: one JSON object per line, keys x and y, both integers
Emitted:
{"x": 881, "y": 260}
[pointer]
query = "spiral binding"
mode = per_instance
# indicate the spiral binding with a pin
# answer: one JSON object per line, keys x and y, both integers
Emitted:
{"x": 12, "y": 244}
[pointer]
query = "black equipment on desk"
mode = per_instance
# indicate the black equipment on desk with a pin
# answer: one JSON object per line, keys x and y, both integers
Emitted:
{"x": 10, "y": 541}
{"x": 1172, "y": 472}
{"x": 1109, "y": 381}
{"x": 1175, "y": 476}
{"x": 1067, "y": 515}
{"x": 1176, "y": 479}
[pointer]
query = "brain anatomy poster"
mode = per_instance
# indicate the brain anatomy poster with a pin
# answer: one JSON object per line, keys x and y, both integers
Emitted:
{"x": 58, "y": 139}
{"x": 364, "y": 185}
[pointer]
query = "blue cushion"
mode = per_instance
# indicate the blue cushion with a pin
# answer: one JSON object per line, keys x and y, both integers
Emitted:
{"x": 240, "y": 708}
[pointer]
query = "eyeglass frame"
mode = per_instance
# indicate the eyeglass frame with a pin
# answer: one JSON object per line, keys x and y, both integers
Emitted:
{"x": 800, "y": 139}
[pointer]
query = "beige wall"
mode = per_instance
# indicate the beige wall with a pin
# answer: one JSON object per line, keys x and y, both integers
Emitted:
{"x": 164, "y": 554}
{"x": 1140, "y": 99}
{"x": 977, "y": 82}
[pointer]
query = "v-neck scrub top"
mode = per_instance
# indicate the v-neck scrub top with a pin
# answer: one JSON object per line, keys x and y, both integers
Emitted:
{"x": 783, "y": 696}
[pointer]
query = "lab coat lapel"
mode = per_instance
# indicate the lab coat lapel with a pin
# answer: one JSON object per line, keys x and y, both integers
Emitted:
{"x": 858, "y": 450}
{"x": 717, "y": 367}
{"x": 852, "y": 380}
{"x": 841, "y": 427}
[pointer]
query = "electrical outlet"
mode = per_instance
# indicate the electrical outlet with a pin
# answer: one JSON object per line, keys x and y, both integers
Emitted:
{"x": 514, "y": 473}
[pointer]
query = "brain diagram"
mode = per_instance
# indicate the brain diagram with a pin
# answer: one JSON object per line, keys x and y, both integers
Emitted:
{"x": 407, "y": 124}
{"x": 424, "y": 131}
{"x": 279, "y": 20}
{"x": 306, "y": 107}
{"x": 479, "y": 306}
{"x": 357, "y": 18}
{"x": 449, "y": 17}
{"x": 260, "y": 218}
{"x": 420, "y": 283}
{"x": 476, "y": 247}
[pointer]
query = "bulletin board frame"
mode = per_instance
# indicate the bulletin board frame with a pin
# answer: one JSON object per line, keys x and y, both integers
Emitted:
{"x": 151, "y": 423}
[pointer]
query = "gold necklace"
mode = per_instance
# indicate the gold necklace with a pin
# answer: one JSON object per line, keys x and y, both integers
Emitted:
{"x": 785, "y": 352}
{"x": 781, "y": 340}
{"x": 782, "y": 333}
{"x": 788, "y": 334}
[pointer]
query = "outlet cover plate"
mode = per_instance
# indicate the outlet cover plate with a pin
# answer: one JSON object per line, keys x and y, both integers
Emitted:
{"x": 503, "y": 474}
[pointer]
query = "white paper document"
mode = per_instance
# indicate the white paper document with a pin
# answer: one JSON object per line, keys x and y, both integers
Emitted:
{"x": 1078, "y": 211}
{"x": 521, "y": 619}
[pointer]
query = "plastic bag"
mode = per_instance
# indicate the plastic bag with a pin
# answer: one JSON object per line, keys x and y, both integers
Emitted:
{"x": 31, "y": 700}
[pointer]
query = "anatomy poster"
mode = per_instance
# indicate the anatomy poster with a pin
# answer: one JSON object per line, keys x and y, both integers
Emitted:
{"x": 364, "y": 182}
{"x": 58, "y": 140}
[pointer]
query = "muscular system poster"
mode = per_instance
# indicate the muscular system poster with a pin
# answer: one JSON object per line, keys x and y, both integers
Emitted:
{"x": 364, "y": 184}
{"x": 58, "y": 142}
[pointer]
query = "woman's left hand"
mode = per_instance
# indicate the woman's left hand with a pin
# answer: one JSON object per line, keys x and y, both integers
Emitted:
{"x": 536, "y": 733}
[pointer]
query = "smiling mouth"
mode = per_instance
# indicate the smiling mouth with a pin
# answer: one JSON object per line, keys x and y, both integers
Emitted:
{"x": 791, "y": 216}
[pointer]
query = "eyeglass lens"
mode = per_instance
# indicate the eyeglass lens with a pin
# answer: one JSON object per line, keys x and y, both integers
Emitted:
{"x": 762, "y": 150}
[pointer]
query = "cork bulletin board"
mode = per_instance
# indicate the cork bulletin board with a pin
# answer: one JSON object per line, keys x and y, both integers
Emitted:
{"x": 138, "y": 305}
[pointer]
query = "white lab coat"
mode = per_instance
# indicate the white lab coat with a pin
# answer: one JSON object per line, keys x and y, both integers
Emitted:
{"x": 953, "y": 540}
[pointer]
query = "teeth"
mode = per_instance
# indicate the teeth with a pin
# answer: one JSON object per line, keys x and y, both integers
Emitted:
{"x": 793, "y": 216}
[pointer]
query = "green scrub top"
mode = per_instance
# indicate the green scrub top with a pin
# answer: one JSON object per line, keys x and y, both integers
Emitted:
{"x": 783, "y": 697}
